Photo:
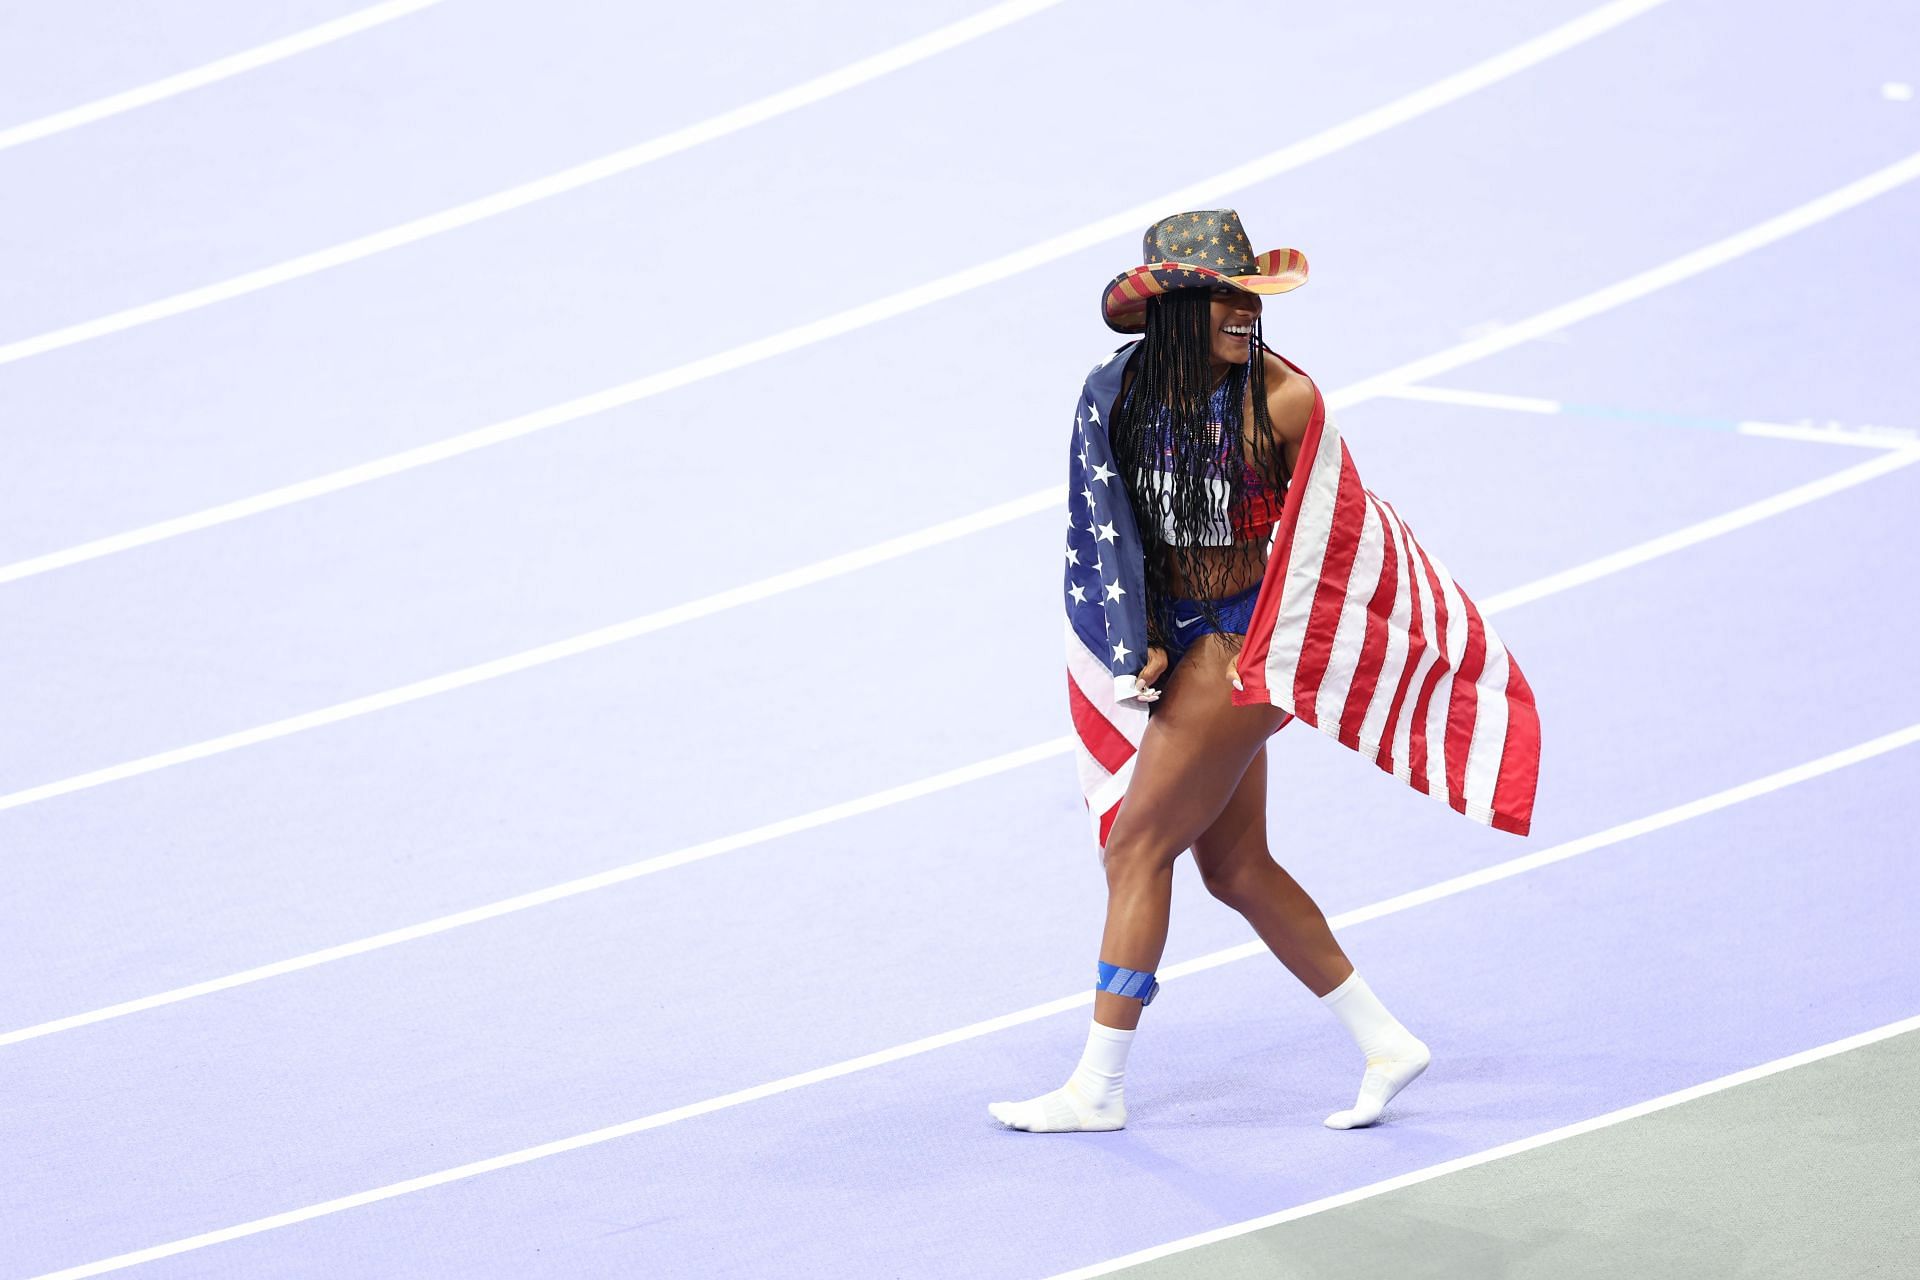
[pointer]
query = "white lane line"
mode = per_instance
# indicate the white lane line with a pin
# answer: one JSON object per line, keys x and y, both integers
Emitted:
{"x": 891, "y": 549}
{"x": 1713, "y": 527}
{"x": 1474, "y": 399}
{"x": 946, "y": 1039}
{"x": 219, "y": 69}
{"x": 1125, "y": 223}
{"x": 792, "y": 579}
{"x": 1634, "y": 1112}
{"x": 1868, "y": 436}
{"x": 1393, "y": 381}
{"x": 1686, "y": 266}
{"x": 624, "y": 161}
{"x": 572, "y": 888}
{"x": 1493, "y": 606}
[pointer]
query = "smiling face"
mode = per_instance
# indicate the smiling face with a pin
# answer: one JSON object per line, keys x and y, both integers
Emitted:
{"x": 1231, "y": 330}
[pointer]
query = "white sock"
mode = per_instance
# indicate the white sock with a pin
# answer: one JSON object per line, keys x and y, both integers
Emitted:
{"x": 1395, "y": 1056}
{"x": 1089, "y": 1101}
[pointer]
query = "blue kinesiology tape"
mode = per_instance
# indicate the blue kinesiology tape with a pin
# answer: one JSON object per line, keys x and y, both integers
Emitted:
{"x": 1131, "y": 983}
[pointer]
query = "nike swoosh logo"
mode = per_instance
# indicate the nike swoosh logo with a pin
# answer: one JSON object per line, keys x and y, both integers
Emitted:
{"x": 1186, "y": 622}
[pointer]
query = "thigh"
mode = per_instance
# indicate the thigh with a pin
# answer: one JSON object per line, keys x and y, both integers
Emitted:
{"x": 1195, "y": 751}
{"x": 1239, "y": 834}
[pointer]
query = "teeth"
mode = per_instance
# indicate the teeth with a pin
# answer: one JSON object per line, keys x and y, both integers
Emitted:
{"x": 1243, "y": 330}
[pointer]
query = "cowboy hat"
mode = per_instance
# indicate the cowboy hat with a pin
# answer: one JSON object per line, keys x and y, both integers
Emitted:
{"x": 1197, "y": 250}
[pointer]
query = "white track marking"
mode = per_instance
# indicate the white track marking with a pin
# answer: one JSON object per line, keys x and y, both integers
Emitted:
{"x": 1686, "y": 266}
{"x": 1867, "y": 437}
{"x": 554, "y": 184}
{"x": 1392, "y": 382}
{"x": 219, "y": 69}
{"x": 572, "y": 888}
{"x": 946, "y": 1039}
{"x": 1714, "y": 527}
{"x": 891, "y": 549}
{"x": 1861, "y": 437}
{"x": 1493, "y": 606}
{"x": 1126, "y": 222}
{"x": 1474, "y": 399}
{"x": 791, "y": 580}
{"x": 1634, "y": 1112}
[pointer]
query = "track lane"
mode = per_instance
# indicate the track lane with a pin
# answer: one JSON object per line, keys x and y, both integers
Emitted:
{"x": 567, "y": 299}
{"x": 1227, "y": 1109}
{"x": 407, "y": 119}
{"x": 479, "y": 1042}
{"x": 485, "y": 592}
{"x": 54, "y": 58}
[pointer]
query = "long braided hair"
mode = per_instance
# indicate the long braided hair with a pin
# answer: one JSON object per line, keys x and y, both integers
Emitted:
{"x": 1177, "y": 440}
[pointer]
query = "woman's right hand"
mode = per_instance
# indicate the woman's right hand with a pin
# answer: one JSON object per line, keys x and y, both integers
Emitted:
{"x": 1155, "y": 667}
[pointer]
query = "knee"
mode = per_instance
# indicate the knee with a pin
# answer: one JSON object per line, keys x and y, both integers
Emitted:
{"x": 1134, "y": 856}
{"x": 1240, "y": 882}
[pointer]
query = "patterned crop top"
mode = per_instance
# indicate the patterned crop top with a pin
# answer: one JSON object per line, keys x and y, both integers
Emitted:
{"x": 1259, "y": 507}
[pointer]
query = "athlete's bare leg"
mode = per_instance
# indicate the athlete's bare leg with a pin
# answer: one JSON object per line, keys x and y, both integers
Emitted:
{"x": 1237, "y": 867}
{"x": 1196, "y": 749}
{"x": 1199, "y": 782}
{"x": 1239, "y": 870}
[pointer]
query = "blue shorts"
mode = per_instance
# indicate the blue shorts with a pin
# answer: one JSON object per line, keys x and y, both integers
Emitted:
{"x": 1235, "y": 612}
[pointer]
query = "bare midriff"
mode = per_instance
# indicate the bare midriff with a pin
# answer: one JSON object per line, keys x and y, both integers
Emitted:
{"x": 1226, "y": 569}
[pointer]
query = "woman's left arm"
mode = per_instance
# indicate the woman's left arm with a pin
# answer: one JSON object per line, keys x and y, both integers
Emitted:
{"x": 1290, "y": 402}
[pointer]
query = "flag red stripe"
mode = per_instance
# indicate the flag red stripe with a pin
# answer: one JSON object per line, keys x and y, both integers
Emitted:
{"x": 1373, "y": 649}
{"x": 1343, "y": 540}
{"x": 1415, "y": 645}
{"x": 1104, "y": 743}
{"x": 1417, "y": 747}
{"x": 1405, "y": 608}
{"x": 1520, "y": 761}
{"x": 1464, "y": 707}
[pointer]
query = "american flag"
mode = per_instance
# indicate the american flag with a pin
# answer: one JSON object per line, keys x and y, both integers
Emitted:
{"x": 1358, "y": 630}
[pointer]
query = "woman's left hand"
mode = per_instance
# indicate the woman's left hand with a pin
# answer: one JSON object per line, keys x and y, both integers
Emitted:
{"x": 1151, "y": 670}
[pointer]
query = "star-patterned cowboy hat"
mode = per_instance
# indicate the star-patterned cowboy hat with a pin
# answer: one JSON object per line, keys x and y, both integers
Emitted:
{"x": 1197, "y": 250}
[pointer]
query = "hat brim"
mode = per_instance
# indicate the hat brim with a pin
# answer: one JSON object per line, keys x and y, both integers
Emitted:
{"x": 1124, "y": 304}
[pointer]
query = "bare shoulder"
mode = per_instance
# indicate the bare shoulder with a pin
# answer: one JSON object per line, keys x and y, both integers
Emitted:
{"x": 1290, "y": 399}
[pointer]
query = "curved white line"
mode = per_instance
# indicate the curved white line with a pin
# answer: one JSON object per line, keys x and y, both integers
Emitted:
{"x": 219, "y": 69}
{"x": 1127, "y": 221}
{"x": 1517, "y": 1147}
{"x": 825, "y": 86}
{"x": 1592, "y": 304}
{"x": 763, "y": 834}
{"x": 1539, "y": 589}
{"x": 660, "y": 1119}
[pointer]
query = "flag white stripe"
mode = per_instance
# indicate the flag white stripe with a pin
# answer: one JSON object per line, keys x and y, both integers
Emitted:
{"x": 1438, "y": 721}
{"x": 1313, "y": 525}
{"x": 1092, "y": 773}
{"x": 1351, "y": 633}
{"x": 1373, "y": 725}
{"x": 1110, "y": 793}
{"x": 1090, "y": 673}
{"x": 1424, "y": 658}
{"x": 1489, "y": 728}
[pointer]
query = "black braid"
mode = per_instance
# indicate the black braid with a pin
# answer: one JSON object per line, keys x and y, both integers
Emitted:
{"x": 1166, "y": 406}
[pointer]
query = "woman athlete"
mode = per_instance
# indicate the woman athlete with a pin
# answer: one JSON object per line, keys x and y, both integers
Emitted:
{"x": 1205, "y": 434}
